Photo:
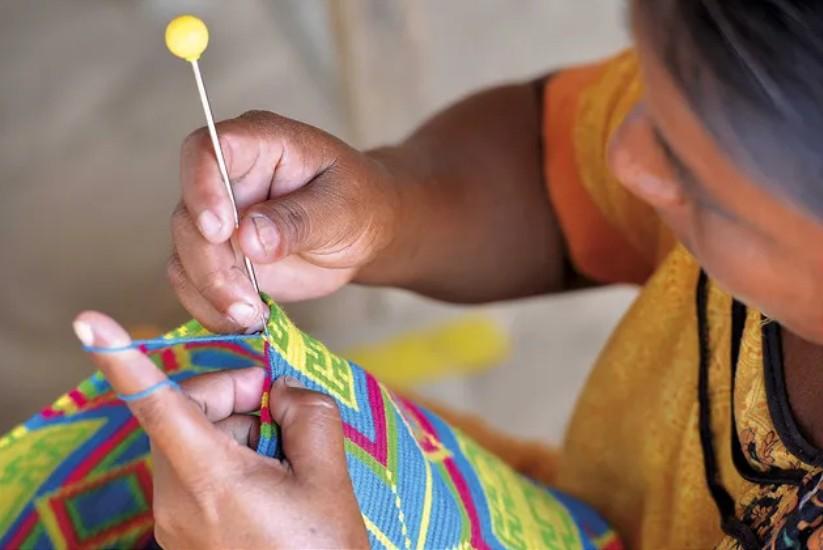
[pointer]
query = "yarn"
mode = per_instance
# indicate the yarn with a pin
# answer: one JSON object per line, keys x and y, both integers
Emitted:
{"x": 418, "y": 482}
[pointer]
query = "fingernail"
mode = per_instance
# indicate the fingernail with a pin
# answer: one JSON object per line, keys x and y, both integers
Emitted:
{"x": 292, "y": 382}
{"x": 266, "y": 233}
{"x": 243, "y": 314}
{"x": 209, "y": 224}
{"x": 83, "y": 332}
{"x": 255, "y": 328}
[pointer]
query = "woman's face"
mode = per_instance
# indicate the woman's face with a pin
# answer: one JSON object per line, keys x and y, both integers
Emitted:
{"x": 765, "y": 251}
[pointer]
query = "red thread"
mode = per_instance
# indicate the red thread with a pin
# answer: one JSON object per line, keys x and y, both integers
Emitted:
{"x": 265, "y": 412}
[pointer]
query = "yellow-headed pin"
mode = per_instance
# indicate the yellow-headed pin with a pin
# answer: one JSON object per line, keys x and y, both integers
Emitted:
{"x": 187, "y": 37}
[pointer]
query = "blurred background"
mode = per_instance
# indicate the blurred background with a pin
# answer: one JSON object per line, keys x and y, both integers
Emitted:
{"x": 92, "y": 112}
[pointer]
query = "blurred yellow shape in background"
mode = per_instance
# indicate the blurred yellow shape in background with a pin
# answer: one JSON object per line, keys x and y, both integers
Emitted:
{"x": 462, "y": 346}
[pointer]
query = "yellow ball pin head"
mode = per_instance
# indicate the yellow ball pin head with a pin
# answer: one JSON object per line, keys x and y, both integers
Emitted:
{"x": 187, "y": 37}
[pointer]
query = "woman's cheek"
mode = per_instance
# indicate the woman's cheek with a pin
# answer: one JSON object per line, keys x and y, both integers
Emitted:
{"x": 729, "y": 255}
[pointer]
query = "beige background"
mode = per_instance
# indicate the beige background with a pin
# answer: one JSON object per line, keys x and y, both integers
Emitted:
{"x": 92, "y": 111}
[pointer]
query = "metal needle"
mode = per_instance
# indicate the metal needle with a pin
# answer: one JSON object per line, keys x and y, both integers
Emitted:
{"x": 221, "y": 163}
{"x": 187, "y": 37}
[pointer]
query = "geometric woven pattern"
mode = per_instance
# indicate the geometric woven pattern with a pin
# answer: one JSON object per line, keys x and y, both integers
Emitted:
{"x": 77, "y": 475}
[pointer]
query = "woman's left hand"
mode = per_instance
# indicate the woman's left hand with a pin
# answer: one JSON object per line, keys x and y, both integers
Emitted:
{"x": 211, "y": 490}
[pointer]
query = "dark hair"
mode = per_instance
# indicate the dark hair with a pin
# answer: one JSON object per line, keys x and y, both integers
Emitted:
{"x": 752, "y": 70}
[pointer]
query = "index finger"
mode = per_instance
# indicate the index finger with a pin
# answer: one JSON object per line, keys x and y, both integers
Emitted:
{"x": 203, "y": 190}
{"x": 266, "y": 156}
{"x": 175, "y": 425}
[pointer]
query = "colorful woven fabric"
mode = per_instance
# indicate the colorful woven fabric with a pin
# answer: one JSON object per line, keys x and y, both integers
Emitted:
{"x": 78, "y": 475}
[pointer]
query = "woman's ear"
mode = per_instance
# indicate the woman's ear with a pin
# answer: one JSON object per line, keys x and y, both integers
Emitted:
{"x": 637, "y": 161}
{"x": 660, "y": 191}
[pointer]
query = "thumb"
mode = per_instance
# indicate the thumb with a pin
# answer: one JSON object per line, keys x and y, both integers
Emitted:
{"x": 315, "y": 218}
{"x": 311, "y": 429}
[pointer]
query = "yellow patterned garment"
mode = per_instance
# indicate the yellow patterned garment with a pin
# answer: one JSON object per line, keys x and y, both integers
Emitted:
{"x": 634, "y": 448}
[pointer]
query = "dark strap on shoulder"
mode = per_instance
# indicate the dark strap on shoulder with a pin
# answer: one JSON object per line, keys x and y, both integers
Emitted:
{"x": 732, "y": 526}
{"x": 748, "y": 472}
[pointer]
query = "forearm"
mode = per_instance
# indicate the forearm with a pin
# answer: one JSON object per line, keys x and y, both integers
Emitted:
{"x": 474, "y": 222}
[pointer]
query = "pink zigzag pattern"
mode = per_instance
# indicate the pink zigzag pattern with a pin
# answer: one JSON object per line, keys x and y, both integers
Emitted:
{"x": 378, "y": 448}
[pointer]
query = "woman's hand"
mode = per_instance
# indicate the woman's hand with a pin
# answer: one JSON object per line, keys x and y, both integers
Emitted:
{"x": 211, "y": 490}
{"x": 314, "y": 211}
{"x": 458, "y": 211}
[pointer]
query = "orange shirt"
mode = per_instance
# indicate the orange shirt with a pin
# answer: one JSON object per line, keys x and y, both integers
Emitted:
{"x": 634, "y": 448}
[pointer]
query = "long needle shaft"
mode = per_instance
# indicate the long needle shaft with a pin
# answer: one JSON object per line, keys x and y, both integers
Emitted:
{"x": 221, "y": 164}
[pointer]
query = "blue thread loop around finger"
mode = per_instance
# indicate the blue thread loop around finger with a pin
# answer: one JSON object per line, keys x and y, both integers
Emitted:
{"x": 156, "y": 343}
{"x": 167, "y": 383}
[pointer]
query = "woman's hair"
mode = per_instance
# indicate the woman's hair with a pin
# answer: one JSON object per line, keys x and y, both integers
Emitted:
{"x": 752, "y": 70}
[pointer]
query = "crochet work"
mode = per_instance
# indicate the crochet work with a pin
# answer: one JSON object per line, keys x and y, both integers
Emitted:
{"x": 78, "y": 475}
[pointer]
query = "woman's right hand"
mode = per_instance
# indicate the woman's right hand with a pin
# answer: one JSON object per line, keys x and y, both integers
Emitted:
{"x": 313, "y": 211}
{"x": 457, "y": 211}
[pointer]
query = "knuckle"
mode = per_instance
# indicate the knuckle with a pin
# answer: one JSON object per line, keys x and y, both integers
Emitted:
{"x": 215, "y": 281}
{"x": 150, "y": 411}
{"x": 340, "y": 188}
{"x": 260, "y": 117}
{"x": 180, "y": 219}
{"x": 296, "y": 220}
{"x": 175, "y": 272}
{"x": 318, "y": 404}
{"x": 200, "y": 404}
{"x": 218, "y": 280}
{"x": 272, "y": 124}
{"x": 195, "y": 141}
{"x": 196, "y": 389}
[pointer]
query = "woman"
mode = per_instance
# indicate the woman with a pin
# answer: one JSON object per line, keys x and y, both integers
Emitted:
{"x": 689, "y": 165}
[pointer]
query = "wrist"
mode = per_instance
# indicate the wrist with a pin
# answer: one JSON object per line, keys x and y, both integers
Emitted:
{"x": 394, "y": 261}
